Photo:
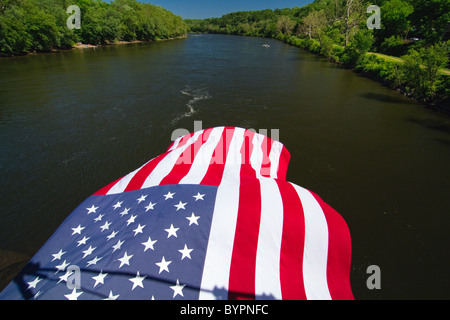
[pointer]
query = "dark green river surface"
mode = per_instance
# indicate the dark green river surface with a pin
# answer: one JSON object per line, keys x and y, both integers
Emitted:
{"x": 72, "y": 122}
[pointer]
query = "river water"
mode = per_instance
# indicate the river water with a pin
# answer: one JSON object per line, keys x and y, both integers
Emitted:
{"x": 72, "y": 122}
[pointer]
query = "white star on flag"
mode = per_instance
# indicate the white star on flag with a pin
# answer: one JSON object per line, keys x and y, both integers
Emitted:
{"x": 111, "y": 236}
{"x": 37, "y": 295}
{"x": 74, "y": 295}
{"x": 169, "y": 195}
{"x": 185, "y": 252}
{"x": 99, "y": 217}
{"x": 65, "y": 276}
{"x": 112, "y": 296}
{"x": 62, "y": 266}
{"x": 137, "y": 281}
{"x": 138, "y": 229}
{"x": 118, "y": 245}
{"x": 180, "y": 205}
{"x": 93, "y": 261}
{"x": 77, "y": 229}
{"x": 83, "y": 241}
{"x": 92, "y": 209}
{"x": 88, "y": 251}
{"x": 149, "y": 244}
{"x": 100, "y": 278}
{"x": 118, "y": 205}
{"x": 199, "y": 196}
{"x": 177, "y": 289}
{"x": 131, "y": 220}
{"x": 124, "y": 212}
{"x": 163, "y": 265}
{"x": 105, "y": 226}
{"x": 57, "y": 256}
{"x": 32, "y": 284}
{"x": 150, "y": 206}
{"x": 193, "y": 219}
{"x": 125, "y": 259}
{"x": 171, "y": 231}
{"x": 142, "y": 198}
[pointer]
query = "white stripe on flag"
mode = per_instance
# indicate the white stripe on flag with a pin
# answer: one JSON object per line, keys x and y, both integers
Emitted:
{"x": 274, "y": 156}
{"x": 316, "y": 247}
{"x": 232, "y": 168}
{"x": 166, "y": 165}
{"x": 203, "y": 158}
{"x": 267, "y": 282}
{"x": 220, "y": 245}
{"x": 216, "y": 270}
{"x": 256, "y": 157}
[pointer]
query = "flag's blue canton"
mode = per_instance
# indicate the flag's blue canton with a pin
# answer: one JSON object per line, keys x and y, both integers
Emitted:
{"x": 144, "y": 244}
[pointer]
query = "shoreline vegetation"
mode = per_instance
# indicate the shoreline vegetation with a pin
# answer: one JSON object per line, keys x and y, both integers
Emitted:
{"x": 35, "y": 26}
{"x": 81, "y": 45}
{"x": 409, "y": 53}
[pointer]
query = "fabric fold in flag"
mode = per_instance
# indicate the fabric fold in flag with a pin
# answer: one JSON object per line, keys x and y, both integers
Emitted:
{"x": 211, "y": 218}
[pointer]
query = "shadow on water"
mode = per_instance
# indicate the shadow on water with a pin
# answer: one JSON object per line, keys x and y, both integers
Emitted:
{"x": 34, "y": 269}
{"x": 443, "y": 141}
{"x": 381, "y": 97}
{"x": 434, "y": 124}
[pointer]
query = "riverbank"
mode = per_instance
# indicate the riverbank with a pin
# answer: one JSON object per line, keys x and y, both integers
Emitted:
{"x": 440, "y": 104}
{"x": 388, "y": 70}
{"x": 81, "y": 46}
{"x": 87, "y": 46}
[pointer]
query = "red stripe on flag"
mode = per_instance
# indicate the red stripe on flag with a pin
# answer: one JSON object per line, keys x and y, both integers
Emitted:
{"x": 339, "y": 253}
{"x": 266, "y": 146}
{"x": 241, "y": 284}
{"x": 292, "y": 244}
{"x": 214, "y": 174}
{"x": 185, "y": 160}
{"x": 246, "y": 153}
{"x": 285, "y": 156}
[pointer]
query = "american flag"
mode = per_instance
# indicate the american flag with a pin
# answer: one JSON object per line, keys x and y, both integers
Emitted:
{"x": 211, "y": 218}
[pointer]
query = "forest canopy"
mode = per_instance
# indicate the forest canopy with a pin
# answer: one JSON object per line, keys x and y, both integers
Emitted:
{"x": 40, "y": 25}
{"x": 404, "y": 23}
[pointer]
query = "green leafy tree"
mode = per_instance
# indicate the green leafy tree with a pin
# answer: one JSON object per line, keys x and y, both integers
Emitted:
{"x": 285, "y": 25}
{"x": 128, "y": 11}
{"x": 327, "y": 45}
{"x": 360, "y": 43}
{"x": 313, "y": 23}
{"x": 14, "y": 36}
{"x": 354, "y": 14}
{"x": 395, "y": 18}
{"x": 393, "y": 45}
{"x": 430, "y": 18}
{"x": 421, "y": 70}
{"x": 100, "y": 24}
